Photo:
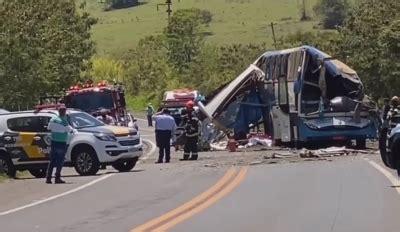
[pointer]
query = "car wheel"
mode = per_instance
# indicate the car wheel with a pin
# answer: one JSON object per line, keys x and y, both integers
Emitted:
{"x": 382, "y": 146}
{"x": 361, "y": 143}
{"x": 6, "y": 166}
{"x": 125, "y": 165}
{"x": 86, "y": 162}
{"x": 38, "y": 173}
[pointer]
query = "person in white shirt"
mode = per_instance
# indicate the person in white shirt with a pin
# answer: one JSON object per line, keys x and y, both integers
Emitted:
{"x": 165, "y": 131}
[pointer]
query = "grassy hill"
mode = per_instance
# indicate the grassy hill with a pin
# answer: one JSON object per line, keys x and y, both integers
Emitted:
{"x": 234, "y": 21}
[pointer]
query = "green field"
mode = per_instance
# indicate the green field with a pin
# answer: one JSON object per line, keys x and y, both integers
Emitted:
{"x": 234, "y": 21}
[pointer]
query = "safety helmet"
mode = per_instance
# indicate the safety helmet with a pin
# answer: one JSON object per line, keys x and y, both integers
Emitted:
{"x": 189, "y": 104}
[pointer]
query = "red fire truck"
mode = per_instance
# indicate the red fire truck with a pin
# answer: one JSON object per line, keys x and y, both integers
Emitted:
{"x": 92, "y": 98}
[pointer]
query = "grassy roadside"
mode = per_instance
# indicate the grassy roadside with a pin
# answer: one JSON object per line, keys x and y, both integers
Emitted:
{"x": 4, "y": 178}
{"x": 234, "y": 21}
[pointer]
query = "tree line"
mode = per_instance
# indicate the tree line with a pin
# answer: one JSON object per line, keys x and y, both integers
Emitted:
{"x": 45, "y": 46}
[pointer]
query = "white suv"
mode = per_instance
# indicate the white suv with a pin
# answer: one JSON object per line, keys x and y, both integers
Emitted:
{"x": 25, "y": 143}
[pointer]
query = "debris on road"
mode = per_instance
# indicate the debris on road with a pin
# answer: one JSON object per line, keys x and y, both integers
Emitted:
{"x": 216, "y": 165}
{"x": 219, "y": 146}
{"x": 257, "y": 140}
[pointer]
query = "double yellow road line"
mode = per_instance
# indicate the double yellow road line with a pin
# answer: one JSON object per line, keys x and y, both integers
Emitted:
{"x": 225, "y": 185}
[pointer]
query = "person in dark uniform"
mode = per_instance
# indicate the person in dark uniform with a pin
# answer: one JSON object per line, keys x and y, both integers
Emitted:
{"x": 165, "y": 130}
{"x": 192, "y": 132}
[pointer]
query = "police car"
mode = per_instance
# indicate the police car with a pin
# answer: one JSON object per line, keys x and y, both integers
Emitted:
{"x": 25, "y": 143}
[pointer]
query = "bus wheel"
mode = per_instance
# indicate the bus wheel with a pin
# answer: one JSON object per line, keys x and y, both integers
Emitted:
{"x": 361, "y": 143}
{"x": 277, "y": 142}
{"x": 299, "y": 145}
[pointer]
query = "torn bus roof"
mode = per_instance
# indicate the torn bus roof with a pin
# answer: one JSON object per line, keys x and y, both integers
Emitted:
{"x": 293, "y": 57}
{"x": 229, "y": 91}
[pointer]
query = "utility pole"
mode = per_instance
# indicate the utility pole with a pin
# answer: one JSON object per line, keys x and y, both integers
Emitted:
{"x": 304, "y": 13}
{"x": 273, "y": 33}
{"x": 167, "y": 3}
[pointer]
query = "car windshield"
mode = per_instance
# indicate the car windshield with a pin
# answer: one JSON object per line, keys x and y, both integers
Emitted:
{"x": 83, "y": 120}
{"x": 91, "y": 101}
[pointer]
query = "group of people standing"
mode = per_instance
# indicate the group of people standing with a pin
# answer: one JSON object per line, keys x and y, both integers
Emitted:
{"x": 165, "y": 127}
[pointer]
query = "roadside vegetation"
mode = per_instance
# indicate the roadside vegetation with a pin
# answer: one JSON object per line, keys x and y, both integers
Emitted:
{"x": 234, "y": 21}
{"x": 2, "y": 178}
{"x": 203, "y": 45}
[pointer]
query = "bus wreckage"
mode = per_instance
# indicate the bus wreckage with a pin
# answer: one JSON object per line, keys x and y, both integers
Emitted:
{"x": 299, "y": 95}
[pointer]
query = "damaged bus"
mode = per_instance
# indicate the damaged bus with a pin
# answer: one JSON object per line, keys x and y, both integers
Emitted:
{"x": 300, "y": 95}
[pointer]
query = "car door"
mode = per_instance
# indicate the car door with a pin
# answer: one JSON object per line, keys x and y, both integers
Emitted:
{"x": 28, "y": 138}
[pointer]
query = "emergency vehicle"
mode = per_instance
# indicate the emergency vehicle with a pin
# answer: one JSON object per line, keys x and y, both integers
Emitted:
{"x": 91, "y": 98}
{"x": 25, "y": 143}
{"x": 175, "y": 101}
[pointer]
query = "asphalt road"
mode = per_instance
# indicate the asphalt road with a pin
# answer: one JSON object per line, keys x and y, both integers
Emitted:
{"x": 346, "y": 194}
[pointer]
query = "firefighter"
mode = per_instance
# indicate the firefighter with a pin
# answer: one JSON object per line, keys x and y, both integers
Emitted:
{"x": 192, "y": 132}
{"x": 189, "y": 110}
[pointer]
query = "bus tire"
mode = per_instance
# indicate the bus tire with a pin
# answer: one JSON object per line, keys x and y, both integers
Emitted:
{"x": 277, "y": 142}
{"x": 299, "y": 145}
{"x": 361, "y": 143}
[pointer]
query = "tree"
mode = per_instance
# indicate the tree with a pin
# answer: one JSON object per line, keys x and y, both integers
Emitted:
{"x": 303, "y": 11}
{"x": 370, "y": 39}
{"x": 105, "y": 68}
{"x": 332, "y": 12}
{"x": 184, "y": 36}
{"x": 44, "y": 47}
{"x": 148, "y": 69}
{"x": 325, "y": 41}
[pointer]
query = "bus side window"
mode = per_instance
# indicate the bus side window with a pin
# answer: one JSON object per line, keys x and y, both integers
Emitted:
{"x": 283, "y": 100}
{"x": 283, "y": 94}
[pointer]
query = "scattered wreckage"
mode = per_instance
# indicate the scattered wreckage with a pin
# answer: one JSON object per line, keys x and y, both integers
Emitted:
{"x": 297, "y": 96}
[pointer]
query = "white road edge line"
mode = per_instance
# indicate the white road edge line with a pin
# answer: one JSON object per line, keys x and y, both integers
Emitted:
{"x": 153, "y": 149}
{"x": 57, "y": 196}
{"x": 75, "y": 189}
{"x": 394, "y": 180}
